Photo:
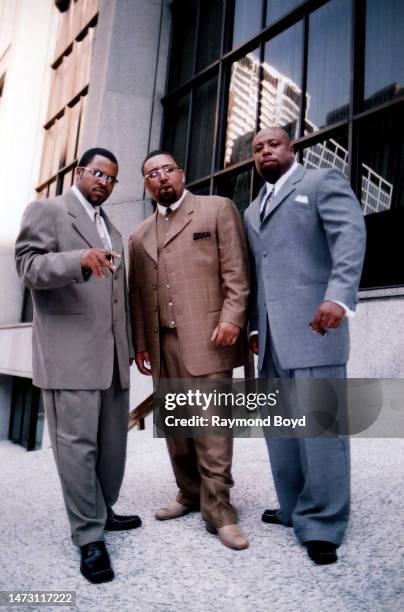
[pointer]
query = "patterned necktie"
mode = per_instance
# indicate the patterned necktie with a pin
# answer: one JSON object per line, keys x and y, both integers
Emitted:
{"x": 266, "y": 203}
{"x": 101, "y": 231}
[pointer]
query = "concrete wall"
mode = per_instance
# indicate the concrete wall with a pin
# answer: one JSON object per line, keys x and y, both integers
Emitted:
{"x": 377, "y": 335}
{"x": 27, "y": 38}
{"x": 28, "y": 32}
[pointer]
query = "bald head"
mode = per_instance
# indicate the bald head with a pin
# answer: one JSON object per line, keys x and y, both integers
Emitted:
{"x": 273, "y": 153}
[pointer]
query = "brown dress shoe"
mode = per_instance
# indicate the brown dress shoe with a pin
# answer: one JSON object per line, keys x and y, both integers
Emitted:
{"x": 172, "y": 511}
{"x": 230, "y": 535}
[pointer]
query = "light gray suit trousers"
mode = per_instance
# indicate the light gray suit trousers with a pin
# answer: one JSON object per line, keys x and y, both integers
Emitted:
{"x": 311, "y": 475}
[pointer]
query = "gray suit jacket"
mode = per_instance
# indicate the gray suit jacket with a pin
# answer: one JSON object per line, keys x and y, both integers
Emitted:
{"x": 310, "y": 248}
{"x": 78, "y": 324}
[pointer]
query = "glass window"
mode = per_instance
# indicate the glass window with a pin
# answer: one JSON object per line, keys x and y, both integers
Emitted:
{"x": 247, "y": 20}
{"x": 382, "y": 163}
{"x": 202, "y": 190}
{"x": 203, "y": 129}
{"x": 242, "y": 108}
{"x": 278, "y": 8}
{"x": 384, "y": 66}
{"x": 281, "y": 93}
{"x": 382, "y": 197}
{"x": 210, "y": 32}
{"x": 328, "y": 73}
{"x": 175, "y": 139}
{"x": 331, "y": 153}
{"x": 183, "y": 51}
{"x": 237, "y": 187}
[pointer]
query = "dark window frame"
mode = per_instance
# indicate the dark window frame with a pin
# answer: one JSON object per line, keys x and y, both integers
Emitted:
{"x": 222, "y": 67}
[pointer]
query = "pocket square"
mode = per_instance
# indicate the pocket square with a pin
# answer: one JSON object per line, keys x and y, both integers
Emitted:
{"x": 199, "y": 235}
{"x": 302, "y": 198}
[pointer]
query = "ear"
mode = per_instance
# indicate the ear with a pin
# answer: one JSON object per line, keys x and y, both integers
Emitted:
{"x": 78, "y": 172}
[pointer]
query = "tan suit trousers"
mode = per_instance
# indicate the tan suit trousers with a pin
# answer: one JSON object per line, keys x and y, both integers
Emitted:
{"x": 202, "y": 465}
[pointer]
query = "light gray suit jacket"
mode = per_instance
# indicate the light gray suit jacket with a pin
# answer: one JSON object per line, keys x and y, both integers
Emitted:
{"x": 77, "y": 324}
{"x": 310, "y": 248}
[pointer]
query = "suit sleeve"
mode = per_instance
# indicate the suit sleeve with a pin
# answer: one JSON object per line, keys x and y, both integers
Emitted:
{"x": 136, "y": 311}
{"x": 253, "y": 299}
{"x": 344, "y": 226}
{"x": 38, "y": 262}
{"x": 233, "y": 265}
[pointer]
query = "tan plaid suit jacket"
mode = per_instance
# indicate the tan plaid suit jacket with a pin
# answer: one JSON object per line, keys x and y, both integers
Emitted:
{"x": 206, "y": 259}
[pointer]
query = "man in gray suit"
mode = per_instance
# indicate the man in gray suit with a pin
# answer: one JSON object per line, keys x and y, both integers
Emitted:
{"x": 70, "y": 255}
{"x": 307, "y": 237}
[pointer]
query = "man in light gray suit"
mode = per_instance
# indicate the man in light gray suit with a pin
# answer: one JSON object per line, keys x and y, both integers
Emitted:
{"x": 307, "y": 237}
{"x": 70, "y": 255}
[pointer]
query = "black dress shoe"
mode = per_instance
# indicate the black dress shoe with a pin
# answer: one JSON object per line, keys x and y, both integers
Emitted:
{"x": 117, "y": 522}
{"x": 95, "y": 564}
{"x": 269, "y": 516}
{"x": 321, "y": 551}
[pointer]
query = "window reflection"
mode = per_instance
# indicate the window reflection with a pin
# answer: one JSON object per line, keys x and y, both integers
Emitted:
{"x": 331, "y": 153}
{"x": 328, "y": 72}
{"x": 247, "y": 20}
{"x": 384, "y": 68}
{"x": 382, "y": 164}
{"x": 237, "y": 188}
{"x": 282, "y": 81}
{"x": 202, "y": 130}
{"x": 175, "y": 139}
{"x": 210, "y": 29}
{"x": 184, "y": 32}
{"x": 278, "y": 8}
{"x": 242, "y": 108}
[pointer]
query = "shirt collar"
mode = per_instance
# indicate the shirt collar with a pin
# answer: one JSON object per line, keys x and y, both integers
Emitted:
{"x": 90, "y": 210}
{"x": 281, "y": 180}
{"x": 162, "y": 209}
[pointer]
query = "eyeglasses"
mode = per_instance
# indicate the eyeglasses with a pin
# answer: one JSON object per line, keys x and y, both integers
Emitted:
{"x": 110, "y": 180}
{"x": 155, "y": 174}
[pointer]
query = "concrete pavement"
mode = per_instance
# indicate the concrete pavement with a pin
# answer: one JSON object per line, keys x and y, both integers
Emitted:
{"x": 177, "y": 565}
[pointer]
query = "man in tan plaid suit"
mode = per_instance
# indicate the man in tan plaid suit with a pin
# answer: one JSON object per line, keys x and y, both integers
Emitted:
{"x": 188, "y": 285}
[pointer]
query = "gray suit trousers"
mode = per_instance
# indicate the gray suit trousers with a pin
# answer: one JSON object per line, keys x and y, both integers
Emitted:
{"x": 311, "y": 475}
{"x": 88, "y": 431}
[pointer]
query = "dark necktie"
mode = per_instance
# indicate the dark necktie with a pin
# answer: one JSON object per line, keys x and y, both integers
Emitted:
{"x": 265, "y": 206}
{"x": 168, "y": 211}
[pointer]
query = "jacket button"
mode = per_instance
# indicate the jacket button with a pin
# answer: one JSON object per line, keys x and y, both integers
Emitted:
{"x": 155, "y": 309}
{"x": 156, "y": 330}
{"x": 115, "y": 300}
{"x": 154, "y": 287}
{"x": 155, "y": 267}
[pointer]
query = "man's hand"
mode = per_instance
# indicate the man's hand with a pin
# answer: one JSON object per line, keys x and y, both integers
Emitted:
{"x": 225, "y": 334}
{"x": 328, "y": 315}
{"x": 254, "y": 344}
{"x": 142, "y": 358}
{"x": 98, "y": 259}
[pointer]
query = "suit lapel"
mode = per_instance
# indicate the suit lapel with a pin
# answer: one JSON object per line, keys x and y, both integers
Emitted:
{"x": 182, "y": 217}
{"x": 81, "y": 221}
{"x": 149, "y": 238}
{"x": 255, "y": 210}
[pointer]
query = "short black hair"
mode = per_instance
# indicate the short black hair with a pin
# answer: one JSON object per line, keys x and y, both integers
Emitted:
{"x": 154, "y": 153}
{"x": 89, "y": 155}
